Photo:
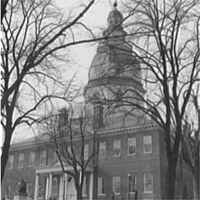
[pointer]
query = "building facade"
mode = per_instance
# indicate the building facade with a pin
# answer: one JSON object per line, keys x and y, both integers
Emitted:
{"x": 131, "y": 161}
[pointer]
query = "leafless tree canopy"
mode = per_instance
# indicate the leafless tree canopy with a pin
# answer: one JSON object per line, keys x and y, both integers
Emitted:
{"x": 68, "y": 133}
{"x": 165, "y": 36}
{"x": 34, "y": 61}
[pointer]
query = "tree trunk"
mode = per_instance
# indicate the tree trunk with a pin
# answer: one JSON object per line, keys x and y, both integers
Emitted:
{"x": 195, "y": 177}
{"x": 3, "y": 8}
{"x": 171, "y": 177}
{"x": 5, "y": 150}
{"x": 196, "y": 171}
{"x": 79, "y": 194}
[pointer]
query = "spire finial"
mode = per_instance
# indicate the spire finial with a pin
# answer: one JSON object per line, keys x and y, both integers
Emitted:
{"x": 115, "y": 4}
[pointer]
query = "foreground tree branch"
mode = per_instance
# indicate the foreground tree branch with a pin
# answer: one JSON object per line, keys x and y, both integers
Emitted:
{"x": 68, "y": 133}
{"x": 35, "y": 37}
{"x": 190, "y": 143}
{"x": 3, "y": 8}
{"x": 165, "y": 40}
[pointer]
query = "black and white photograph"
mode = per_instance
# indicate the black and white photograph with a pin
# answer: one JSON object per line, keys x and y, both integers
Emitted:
{"x": 100, "y": 99}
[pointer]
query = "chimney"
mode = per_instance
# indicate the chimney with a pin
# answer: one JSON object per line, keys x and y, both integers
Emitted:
{"x": 98, "y": 116}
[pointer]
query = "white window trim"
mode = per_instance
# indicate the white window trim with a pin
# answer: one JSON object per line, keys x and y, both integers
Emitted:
{"x": 120, "y": 186}
{"x": 102, "y": 150}
{"x": 148, "y": 192}
{"x": 135, "y": 183}
{"x": 11, "y": 166}
{"x": 43, "y": 164}
{"x": 132, "y": 154}
{"x": 115, "y": 155}
{"x": 117, "y": 148}
{"x": 33, "y": 160}
{"x": 144, "y": 152}
{"x": 86, "y": 151}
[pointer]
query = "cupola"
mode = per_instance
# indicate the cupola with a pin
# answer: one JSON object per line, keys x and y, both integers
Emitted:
{"x": 115, "y": 18}
{"x": 113, "y": 65}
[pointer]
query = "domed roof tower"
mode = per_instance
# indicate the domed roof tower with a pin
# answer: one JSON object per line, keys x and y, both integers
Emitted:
{"x": 114, "y": 69}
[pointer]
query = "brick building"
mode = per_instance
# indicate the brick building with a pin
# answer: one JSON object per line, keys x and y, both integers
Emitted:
{"x": 131, "y": 158}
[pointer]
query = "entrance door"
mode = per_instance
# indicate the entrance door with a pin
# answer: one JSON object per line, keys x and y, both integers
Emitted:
{"x": 71, "y": 190}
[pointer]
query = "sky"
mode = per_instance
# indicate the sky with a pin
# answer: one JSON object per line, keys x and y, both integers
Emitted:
{"x": 80, "y": 55}
{"x": 95, "y": 19}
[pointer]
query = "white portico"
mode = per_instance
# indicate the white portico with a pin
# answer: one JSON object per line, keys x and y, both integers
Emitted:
{"x": 52, "y": 183}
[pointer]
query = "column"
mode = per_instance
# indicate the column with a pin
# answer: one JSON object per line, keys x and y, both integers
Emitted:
{"x": 66, "y": 181}
{"x": 50, "y": 184}
{"x": 61, "y": 188}
{"x": 47, "y": 188}
{"x": 91, "y": 186}
{"x": 36, "y": 186}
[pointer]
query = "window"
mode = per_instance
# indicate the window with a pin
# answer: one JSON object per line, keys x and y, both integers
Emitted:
{"x": 86, "y": 151}
{"x": 147, "y": 144}
{"x": 31, "y": 159}
{"x": 116, "y": 147}
{"x": 101, "y": 186}
{"x": 148, "y": 183}
{"x": 21, "y": 160}
{"x": 131, "y": 146}
{"x": 43, "y": 155}
{"x": 10, "y": 161}
{"x": 131, "y": 182}
{"x": 116, "y": 184}
{"x": 102, "y": 150}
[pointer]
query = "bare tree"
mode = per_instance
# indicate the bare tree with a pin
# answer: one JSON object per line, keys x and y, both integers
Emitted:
{"x": 34, "y": 41}
{"x": 166, "y": 44}
{"x": 172, "y": 61}
{"x": 190, "y": 144}
{"x": 69, "y": 133}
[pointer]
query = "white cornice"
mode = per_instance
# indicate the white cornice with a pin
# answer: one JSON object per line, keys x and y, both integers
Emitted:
{"x": 108, "y": 132}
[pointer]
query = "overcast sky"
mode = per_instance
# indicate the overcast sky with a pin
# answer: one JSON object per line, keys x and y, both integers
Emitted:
{"x": 95, "y": 19}
{"x": 81, "y": 55}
